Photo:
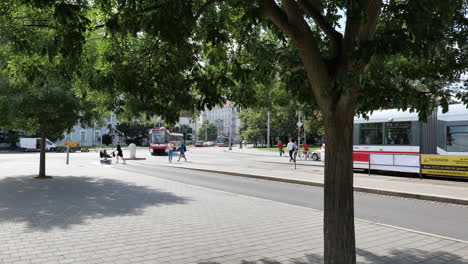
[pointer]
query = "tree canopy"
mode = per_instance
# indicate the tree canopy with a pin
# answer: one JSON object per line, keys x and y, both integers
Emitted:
{"x": 43, "y": 89}
{"x": 207, "y": 131}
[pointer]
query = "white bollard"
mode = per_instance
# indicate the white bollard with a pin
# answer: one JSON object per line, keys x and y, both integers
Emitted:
{"x": 132, "y": 149}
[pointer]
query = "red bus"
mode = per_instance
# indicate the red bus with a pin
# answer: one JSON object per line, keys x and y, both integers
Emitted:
{"x": 222, "y": 141}
{"x": 159, "y": 139}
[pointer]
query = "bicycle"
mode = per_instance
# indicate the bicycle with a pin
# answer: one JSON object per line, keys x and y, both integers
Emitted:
{"x": 304, "y": 155}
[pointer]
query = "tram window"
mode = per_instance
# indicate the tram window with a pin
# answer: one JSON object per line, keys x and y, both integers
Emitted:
{"x": 159, "y": 137}
{"x": 398, "y": 133}
{"x": 371, "y": 134}
{"x": 457, "y": 138}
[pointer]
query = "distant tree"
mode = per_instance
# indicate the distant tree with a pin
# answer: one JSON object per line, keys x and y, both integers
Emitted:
{"x": 133, "y": 132}
{"x": 186, "y": 130}
{"x": 9, "y": 137}
{"x": 211, "y": 131}
{"x": 253, "y": 126}
{"x": 106, "y": 139}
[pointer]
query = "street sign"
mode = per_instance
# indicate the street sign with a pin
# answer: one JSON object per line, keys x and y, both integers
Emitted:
{"x": 299, "y": 124}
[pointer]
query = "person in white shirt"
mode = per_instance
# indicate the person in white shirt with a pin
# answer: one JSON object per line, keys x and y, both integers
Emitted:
{"x": 170, "y": 151}
{"x": 290, "y": 147}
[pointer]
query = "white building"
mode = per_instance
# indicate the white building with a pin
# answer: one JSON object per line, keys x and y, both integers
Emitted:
{"x": 92, "y": 136}
{"x": 223, "y": 117}
{"x": 186, "y": 119}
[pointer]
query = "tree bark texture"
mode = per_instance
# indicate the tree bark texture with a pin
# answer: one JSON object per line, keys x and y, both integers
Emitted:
{"x": 339, "y": 234}
{"x": 42, "y": 159}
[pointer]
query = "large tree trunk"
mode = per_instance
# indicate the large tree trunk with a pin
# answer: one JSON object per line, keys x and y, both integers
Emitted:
{"x": 42, "y": 159}
{"x": 339, "y": 236}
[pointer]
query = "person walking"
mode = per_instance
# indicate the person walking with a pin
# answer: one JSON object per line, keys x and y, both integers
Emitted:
{"x": 170, "y": 151}
{"x": 290, "y": 147}
{"x": 295, "y": 150}
{"x": 119, "y": 153}
{"x": 280, "y": 147}
{"x": 182, "y": 151}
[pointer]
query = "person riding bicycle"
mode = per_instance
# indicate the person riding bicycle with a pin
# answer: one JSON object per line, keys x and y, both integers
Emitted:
{"x": 305, "y": 149}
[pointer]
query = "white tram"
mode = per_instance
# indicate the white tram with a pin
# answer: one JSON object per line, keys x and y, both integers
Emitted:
{"x": 403, "y": 137}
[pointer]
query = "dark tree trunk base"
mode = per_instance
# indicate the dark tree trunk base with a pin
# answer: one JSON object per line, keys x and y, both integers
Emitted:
{"x": 43, "y": 177}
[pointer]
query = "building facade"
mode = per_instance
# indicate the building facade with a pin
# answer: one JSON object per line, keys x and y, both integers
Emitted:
{"x": 93, "y": 136}
{"x": 225, "y": 118}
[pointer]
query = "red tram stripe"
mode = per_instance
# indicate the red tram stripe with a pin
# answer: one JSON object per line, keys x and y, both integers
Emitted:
{"x": 363, "y": 156}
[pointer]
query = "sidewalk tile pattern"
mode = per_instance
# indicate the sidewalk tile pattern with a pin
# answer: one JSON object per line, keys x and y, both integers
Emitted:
{"x": 110, "y": 216}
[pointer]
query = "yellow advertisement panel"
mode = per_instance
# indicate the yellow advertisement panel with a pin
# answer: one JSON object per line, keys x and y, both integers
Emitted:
{"x": 444, "y": 165}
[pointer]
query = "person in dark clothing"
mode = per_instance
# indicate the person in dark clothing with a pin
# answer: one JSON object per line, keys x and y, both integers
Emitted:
{"x": 182, "y": 151}
{"x": 119, "y": 153}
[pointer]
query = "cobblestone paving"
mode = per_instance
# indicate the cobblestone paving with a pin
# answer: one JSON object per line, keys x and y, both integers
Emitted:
{"x": 109, "y": 216}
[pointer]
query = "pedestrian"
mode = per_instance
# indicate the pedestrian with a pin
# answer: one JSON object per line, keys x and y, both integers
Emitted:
{"x": 119, "y": 153}
{"x": 296, "y": 149}
{"x": 182, "y": 151}
{"x": 290, "y": 147}
{"x": 280, "y": 148}
{"x": 170, "y": 151}
{"x": 305, "y": 148}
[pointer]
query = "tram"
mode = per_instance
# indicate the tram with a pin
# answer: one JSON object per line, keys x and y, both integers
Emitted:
{"x": 159, "y": 139}
{"x": 222, "y": 141}
{"x": 396, "y": 132}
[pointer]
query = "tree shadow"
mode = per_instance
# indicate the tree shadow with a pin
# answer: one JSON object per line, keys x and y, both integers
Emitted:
{"x": 397, "y": 256}
{"x": 62, "y": 202}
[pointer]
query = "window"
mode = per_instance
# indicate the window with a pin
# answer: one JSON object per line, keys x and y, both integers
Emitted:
{"x": 457, "y": 138}
{"x": 97, "y": 136}
{"x": 371, "y": 134}
{"x": 83, "y": 136}
{"x": 159, "y": 137}
{"x": 398, "y": 133}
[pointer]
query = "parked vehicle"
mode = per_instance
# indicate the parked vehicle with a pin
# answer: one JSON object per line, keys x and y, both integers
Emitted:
{"x": 34, "y": 144}
{"x": 198, "y": 143}
{"x": 208, "y": 143}
{"x": 160, "y": 138}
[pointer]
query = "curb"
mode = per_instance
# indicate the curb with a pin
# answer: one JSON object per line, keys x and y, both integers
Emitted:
{"x": 432, "y": 198}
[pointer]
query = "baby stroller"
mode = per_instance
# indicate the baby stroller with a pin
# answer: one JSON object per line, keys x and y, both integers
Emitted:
{"x": 105, "y": 158}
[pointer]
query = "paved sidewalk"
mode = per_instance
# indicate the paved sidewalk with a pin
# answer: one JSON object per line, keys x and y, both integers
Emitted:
{"x": 267, "y": 165}
{"x": 93, "y": 213}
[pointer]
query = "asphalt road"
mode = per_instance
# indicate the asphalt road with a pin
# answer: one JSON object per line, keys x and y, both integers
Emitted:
{"x": 435, "y": 218}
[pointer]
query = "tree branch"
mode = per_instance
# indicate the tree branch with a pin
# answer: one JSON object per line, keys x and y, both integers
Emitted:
{"x": 203, "y": 8}
{"x": 291, "y": 22}
{"x": 361, "y": 23}
{"x": 369, "y": 25}
{"x": 334, "y": 36}
{"x": 296, "y": 16}
{"x": 277, "y": 16}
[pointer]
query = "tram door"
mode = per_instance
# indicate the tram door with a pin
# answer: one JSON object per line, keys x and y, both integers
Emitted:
{"x": 428, "y": 134}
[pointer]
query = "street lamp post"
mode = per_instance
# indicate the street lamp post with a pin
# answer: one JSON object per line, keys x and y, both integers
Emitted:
{"x": 196, "y": 132}
{"x": 299, "y": 124}
{"x": 268, "y": 129}
{"x": 231, "y": 127}
{"x": 206, "y": 126}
